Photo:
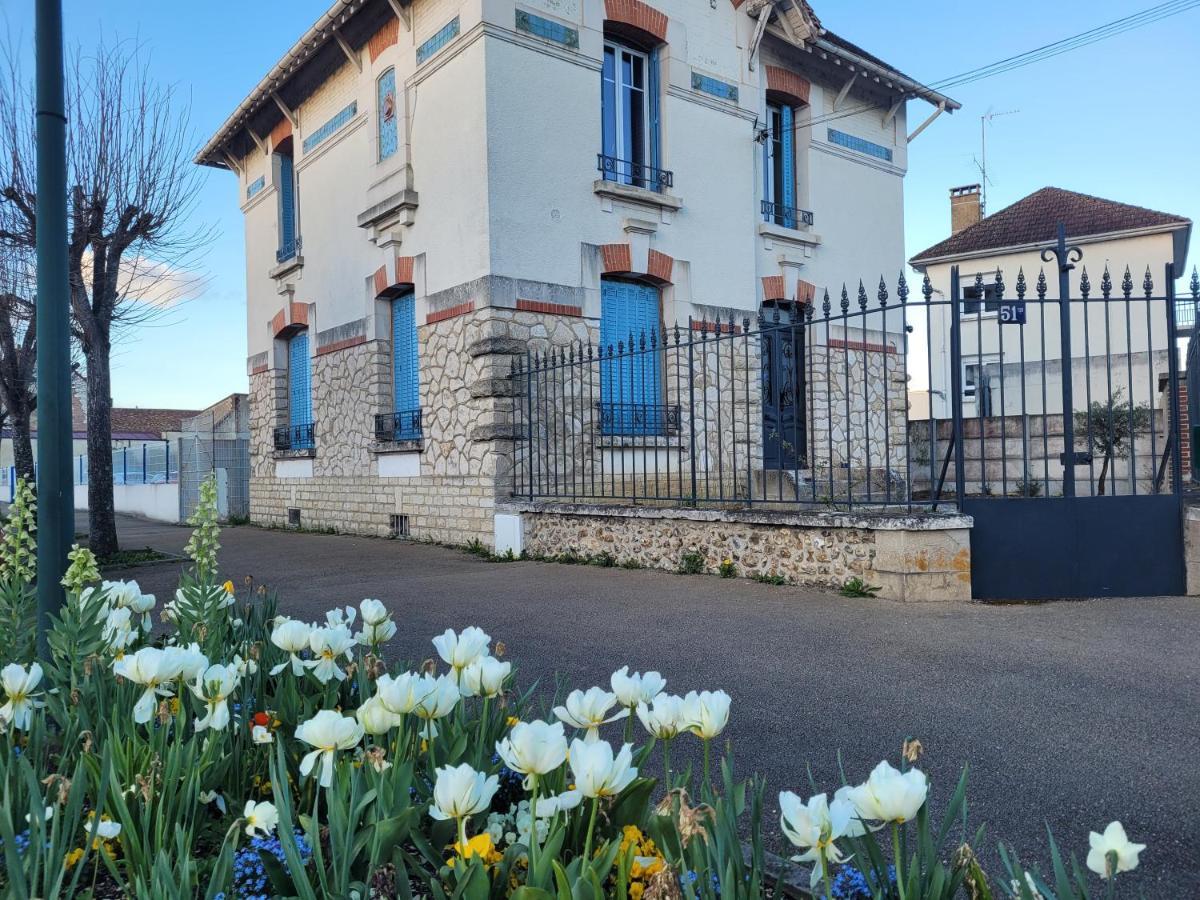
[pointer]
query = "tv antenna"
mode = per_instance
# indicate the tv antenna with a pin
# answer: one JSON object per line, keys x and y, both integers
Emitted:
{"x": 984, "y": 121}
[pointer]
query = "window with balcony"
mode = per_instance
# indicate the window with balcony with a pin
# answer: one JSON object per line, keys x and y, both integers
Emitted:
{"x": 630, "y": 118}
{"x": 631, "y": 368}
{"x": 285, "y": 182}
{"x": 779, "y": 169}
{"x": 300, "y": 432}
{"x": 403, "y": 423}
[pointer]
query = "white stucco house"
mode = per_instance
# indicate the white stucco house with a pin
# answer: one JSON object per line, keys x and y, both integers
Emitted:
{"x": 431, "y": 185}
{"x": 1112, "y": 237}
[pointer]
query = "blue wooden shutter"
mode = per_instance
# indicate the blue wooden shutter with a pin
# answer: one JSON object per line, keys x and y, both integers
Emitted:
{"x": 287, "y": 208}
{"x": 608, "y": 111}
{"x": 406, "y": 384}
{"x": 789, "y": 165}
{"x": 630, "y": 383}
{"x": 655, "y": 149}
{"x": 300, "y": 391}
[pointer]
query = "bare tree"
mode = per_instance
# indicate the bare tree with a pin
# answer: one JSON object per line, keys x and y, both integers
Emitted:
{"x": 131, "y": 247}
{"x": 18, "y": 354}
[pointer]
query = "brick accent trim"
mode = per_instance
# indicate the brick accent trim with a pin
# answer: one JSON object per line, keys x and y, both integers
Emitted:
{"x": 616, "y": 258}
{"x": 380, "y": 280}
{"x": 554, "y": 309}
{"x": 773, "y": 288}
{"x": 450, "y": 312}
{"x": 716, "y": 327}
{"x": 299, "y": 312}
{"x": 788, "y": 84}
{"x": 659, "y": 266}
{"x": 838, "y": 344}
{"x": 638, "y": 15}
{"x": 282, "y": 129}
{"x": 387, "y": 36}
{"x": 341, "y": 345}
{"x": 258, "y": 363}
{"x": 806, "y": 291}
{"x": 404, "y": 270}
{"x": 278, "y": 323}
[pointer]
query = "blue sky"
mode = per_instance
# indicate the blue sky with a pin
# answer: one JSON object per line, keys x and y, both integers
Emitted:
{"x": 1111, "y": 119}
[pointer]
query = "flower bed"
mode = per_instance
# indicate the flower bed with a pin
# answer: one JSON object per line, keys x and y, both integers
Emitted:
{"x": 246, "y": 754}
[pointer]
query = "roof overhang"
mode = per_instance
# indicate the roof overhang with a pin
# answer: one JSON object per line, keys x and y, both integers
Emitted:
{"x": 1180, "y": 233}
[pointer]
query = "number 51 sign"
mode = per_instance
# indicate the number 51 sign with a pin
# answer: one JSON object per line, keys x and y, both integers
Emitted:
{"x": 1012, "y": 312}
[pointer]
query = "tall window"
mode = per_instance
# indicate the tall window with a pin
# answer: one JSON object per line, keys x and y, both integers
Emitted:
{"x": 386, "y": 114}
{"x": 406, "y": 394}
{"x": 779, "y": 167}
{"x": 285, "y": 180}
{"x": 631, "y": 375}
{"x": 300, "y": 419}
{"x": 629, "y": 117}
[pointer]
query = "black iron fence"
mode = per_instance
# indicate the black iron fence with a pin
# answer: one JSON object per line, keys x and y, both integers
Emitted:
{"x": 401, "y": 425}
{"x": 787, "y": 216}
{"x": 807, "y": 406}
{"x": 638, "y": 174}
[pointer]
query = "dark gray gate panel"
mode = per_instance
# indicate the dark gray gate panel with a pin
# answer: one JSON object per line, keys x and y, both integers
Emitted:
{"x": 1049, "y": 548}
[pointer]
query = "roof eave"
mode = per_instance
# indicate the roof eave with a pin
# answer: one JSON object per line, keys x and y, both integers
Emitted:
{"x": 903, "y": 82}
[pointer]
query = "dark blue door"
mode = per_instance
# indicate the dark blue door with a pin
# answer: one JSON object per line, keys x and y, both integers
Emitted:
{"x": 631, "y": 372}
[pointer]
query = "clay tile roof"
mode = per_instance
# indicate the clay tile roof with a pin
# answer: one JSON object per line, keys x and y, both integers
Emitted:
{"x": 147, "y": 421}
{"x": 1035, "y": 219}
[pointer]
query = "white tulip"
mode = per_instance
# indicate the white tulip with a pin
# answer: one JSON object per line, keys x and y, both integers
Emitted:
{"x": 636, "y": 688}
{"x": 260, "y": 735}
{"x": 19, "y": 684}
{"x": 889, "y": 795}
{"x": 189, "y": 660}
{"x": 328, "y": 731}
{"x": 375, "y": 717}
{"x": 438, "y": 697}
{"x": 816, "y": 826}
{"x": 459, "y": 650}
{"x": 552, "y": 806}
{"x": 374, "y": 635}
{"x": 460, "y": 791}
{"x": 533, "y": 748}
{"x": 484, "y": 677}
{"x": 107, "y": 830}
{"x": 244, "y": 666}
{"x": 663, "y": 717}
{"x": 327, "y": 644}
{"x": 337, "y": 616}
{"x": 706, "y": 714}
{"x": 153, "y": 669}
{"x": 291, "y": 637}
{"x": 597, "y": 772}
{"x": 261, "y": 818}
{"x": 373, "y": 612}
{"x": 400, "y": 694}
{"x": 1112, "y": 840}
{"x": 213, "y": 686}
{"x": 118, "y": 631}
{"x": 589, "y": 710}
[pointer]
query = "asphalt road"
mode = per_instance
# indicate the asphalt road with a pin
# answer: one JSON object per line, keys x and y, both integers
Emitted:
{"x": 1070, "y": 714}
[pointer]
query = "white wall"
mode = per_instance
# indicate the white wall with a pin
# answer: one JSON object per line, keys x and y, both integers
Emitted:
{"x": 159, "y": 502}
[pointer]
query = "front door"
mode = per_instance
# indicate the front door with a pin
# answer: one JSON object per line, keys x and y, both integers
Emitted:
{"x": 784, "y": 427}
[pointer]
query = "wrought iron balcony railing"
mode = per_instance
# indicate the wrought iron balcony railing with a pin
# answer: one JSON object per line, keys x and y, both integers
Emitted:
{"x": 638, "y": 419}
{"x": 402, "y": 425}
{"x": 299, "y": 436}
{"x": 787, "y": 216}
{"x": 288, "y": 250}
{"x": 640, "y": 175}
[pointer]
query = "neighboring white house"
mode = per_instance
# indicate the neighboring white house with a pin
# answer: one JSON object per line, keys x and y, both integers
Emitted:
{"x": 431, "y": 185}
{"x": 1111, "y": 236}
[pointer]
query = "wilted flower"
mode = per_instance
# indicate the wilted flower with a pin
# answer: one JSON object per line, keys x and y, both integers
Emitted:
{"x": 663, "y": 717}
{"x": 438, "y": 697}
{"x": 459, "y": 650}
{"x": 588, "y": 710}
{"x": 706, "y": 714}
{"x": 597, "y": 772}
{"x": 636, "y": 688}
{"x": 484, "y": 677}
{"x": 460, "y": 791}
{"x": 889, "y": 795}
{"x": 261, "y": 818}
{"x": 327, "y": 644}
{"x": 375, "y": 717}
{"x": 533, "y": 748}
{"x": 1112, "y": 840}
{"x": 19, "y": 684}
{"x": 814, "y": 827}
{"x": 213, "y": 686}
{"x": 328, "y": 731}
{"x": 291, "y": 637}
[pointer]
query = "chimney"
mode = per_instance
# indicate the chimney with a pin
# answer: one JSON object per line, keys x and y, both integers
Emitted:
{"x": 965, "y": 210}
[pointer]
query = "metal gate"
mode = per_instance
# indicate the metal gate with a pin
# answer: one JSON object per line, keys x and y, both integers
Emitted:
{"x": 217, "y": 442}
{"x": 1065, "y": 444}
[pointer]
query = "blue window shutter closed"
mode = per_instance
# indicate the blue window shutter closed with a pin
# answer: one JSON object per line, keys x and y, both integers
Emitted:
{"x": 406, "y": 383}
{"x": 630, "y": 383}
{"x": 789, "y": 165}
{"x": 287, "y": 206}
{"x": 299, "y": 390}
{"x": 652, "y": 83}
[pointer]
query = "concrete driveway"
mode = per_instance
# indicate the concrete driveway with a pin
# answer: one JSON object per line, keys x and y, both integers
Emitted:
{"x": 1070, "y": 714}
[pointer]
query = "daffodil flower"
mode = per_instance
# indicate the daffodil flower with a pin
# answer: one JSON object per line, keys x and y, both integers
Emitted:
{"x": 260, "y": 818}
{"x": 1112, "y": 852}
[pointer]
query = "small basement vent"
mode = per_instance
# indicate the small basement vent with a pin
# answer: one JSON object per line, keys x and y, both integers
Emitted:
{"x": 399, "y": 526}
{"x": 293, "y": 517}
